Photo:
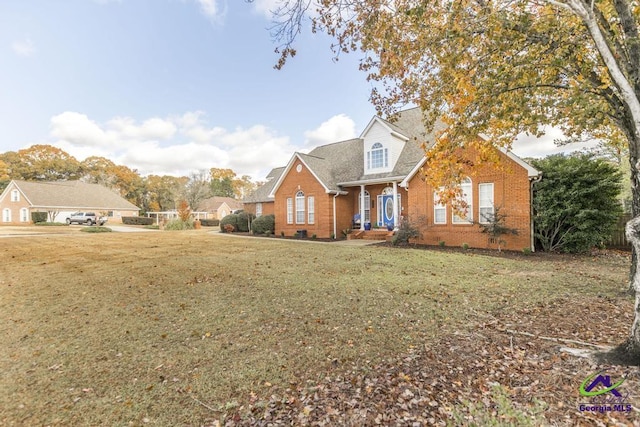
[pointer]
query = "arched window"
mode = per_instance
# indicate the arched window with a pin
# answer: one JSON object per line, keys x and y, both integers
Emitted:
{"x": 467, "y": 203}
{"x": 377, "y": 157}
{"x": 300, "y": 207}
{"x": 15, "y": 196}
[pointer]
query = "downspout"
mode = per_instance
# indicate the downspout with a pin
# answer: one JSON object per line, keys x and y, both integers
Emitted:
{"x": 335, "y": 220}
{"x": 532, "y": 182}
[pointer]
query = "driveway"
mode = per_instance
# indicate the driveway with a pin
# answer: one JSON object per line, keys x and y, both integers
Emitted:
{"x": 34, "y": 230}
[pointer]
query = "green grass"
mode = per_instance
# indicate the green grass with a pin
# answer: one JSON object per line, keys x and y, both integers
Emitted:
{"x": 120, "y": 330}
{"x": 96, "y": 229}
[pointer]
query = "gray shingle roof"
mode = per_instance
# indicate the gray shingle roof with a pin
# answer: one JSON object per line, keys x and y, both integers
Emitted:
{"x": 261, "y": 194}
{"x": 343, "y": 162}
{"x": 212, "y": 204}
{"x": 73, "y": 195}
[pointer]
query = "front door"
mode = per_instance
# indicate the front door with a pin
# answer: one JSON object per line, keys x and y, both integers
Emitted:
{"x": 387, "y": 209}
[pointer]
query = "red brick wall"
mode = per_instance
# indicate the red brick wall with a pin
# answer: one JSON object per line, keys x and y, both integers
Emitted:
{"x": 304, "y": 181}
{"x": 267, "y": 208}
{"x": 511, "y": 193}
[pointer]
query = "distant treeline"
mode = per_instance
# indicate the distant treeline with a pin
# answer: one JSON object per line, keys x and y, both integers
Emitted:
{"x": 150, "y": 193}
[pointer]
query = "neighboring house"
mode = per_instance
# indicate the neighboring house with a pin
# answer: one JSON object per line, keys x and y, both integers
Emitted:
{"x": 60, "y": 199}
{"x": 377, "y": 178}
{"x": 219, "y": 207}
{"x": 260, "y": 202}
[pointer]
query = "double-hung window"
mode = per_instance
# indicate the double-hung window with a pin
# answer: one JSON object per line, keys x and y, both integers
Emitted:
{"x": 311, "y": 210}
{"x": 289, "y": 210}
{"x": 439, "y": 210}
{"x": 485, "y": 201}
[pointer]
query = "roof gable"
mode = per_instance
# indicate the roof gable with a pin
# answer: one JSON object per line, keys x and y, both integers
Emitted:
{"x": 72, "y": 195}
{"x": 261, "y": 194}
{"x": 214, "y": 203}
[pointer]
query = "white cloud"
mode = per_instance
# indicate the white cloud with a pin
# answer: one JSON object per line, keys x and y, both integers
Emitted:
{"x": 337, "y": 128}
{"x": 153, "y": 128}
{"x": 24, "y": 47}
{"x": 212, "y": 10}
{"x": 176, "y": 145}
{"x": 78, "y": 130}
{"x": 266, "y": 7}
{"x": 532, "y": 146}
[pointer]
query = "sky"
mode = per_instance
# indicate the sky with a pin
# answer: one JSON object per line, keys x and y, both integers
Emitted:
{"x": 176, "y": 86}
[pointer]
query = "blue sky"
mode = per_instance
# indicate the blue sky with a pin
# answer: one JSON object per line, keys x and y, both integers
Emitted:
{"x": 173, "y": 86}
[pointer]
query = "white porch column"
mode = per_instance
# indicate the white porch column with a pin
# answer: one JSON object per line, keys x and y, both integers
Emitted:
{"x": 396, "y": 208}
{"x": 362, "y": 207}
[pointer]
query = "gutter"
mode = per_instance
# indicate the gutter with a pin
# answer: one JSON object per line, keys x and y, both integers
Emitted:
{"x": 372, "y": 181}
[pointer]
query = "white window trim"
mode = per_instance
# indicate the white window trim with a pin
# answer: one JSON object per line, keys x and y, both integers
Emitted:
{"x": 384, "y": 152}
{"x": 490, "y": 205}
{"x": 311, "y": 209}
{"x": 468, "y": 198}
{"x": 437, "y": 206}
{"x": 289, "y": 210}
{"x": 6, "y": 215}
{"x": 300, "y": 208}
{"x": 24, "y": 215}
{"x": 15, "y": 195}
{"x": 258, "y": 209}
{"x": 367, "y": 205}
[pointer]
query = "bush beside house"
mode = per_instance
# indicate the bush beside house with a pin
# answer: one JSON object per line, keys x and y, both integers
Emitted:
{"x": 576, "y": 204}
{"x": 264, "y": 224}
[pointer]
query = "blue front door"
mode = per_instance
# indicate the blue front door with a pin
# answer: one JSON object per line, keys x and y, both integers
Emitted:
{"x": 387, "y": 209}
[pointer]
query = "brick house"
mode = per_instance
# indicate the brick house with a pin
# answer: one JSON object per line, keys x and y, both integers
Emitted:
{"x": 218, "y": 207}
{"x": 376, "y": 179}
{"x": 260, "y": 202}
{"x": 59, "y": 199}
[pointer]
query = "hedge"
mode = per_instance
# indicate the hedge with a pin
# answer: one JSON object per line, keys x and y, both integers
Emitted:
{"x": 239, "y": 221}
{"x": 137, "y": 220}
{"x": 37, "y": 217}
{"x": 210, "y": 222}
{"x": 263, "y": 224}
{"x": 178, "y": 224}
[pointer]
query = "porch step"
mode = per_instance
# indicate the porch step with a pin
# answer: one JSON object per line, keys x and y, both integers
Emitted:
{"x": 370, "y": 234}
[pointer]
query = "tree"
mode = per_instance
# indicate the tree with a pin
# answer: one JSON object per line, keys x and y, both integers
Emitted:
{"x": 576, "y": 204}
{"x": 162, "y": 192}
{"x": 222, "y": 182}
{"x": 45, "y": 163}
{"x": 496, "y": 69}
{"x": 243, "y": 186}
{"x": 197, "y": 189}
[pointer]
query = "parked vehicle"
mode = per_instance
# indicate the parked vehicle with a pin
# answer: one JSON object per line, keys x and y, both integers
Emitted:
{"x": 89, "y": 218}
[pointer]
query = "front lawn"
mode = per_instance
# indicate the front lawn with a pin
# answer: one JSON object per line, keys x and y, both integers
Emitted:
{"x": 190, "y": 328}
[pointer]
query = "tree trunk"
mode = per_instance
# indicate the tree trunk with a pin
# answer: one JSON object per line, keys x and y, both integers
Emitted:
{"x": 633, "y": 235}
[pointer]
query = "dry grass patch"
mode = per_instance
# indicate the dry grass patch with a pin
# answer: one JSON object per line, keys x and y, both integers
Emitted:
{"x": 164, "y": 327}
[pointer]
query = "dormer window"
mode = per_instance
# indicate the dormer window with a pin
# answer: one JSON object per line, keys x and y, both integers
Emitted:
{"x": 377, "y": 157}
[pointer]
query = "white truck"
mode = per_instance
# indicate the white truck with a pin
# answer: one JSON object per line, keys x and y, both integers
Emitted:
{"x": 89, "y": 218}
